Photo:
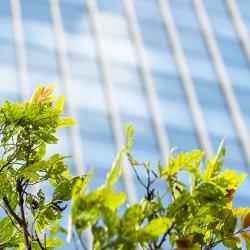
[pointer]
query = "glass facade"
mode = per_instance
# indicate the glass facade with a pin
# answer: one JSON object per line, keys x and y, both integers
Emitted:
{"x": 88, "y": 70}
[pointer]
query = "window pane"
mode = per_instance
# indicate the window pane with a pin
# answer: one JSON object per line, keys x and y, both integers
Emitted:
{"x": 167, "y": 85}
{"x": 147, "y": 10}
{"x": 113, "y": 25}
{"x": 231, "y": 51}
{"x": 110, "y": 5}
{"x": 6, "y": 20}
{"x": 240, "y": 76}
{"x": 41, "y": 58}
{"x": 119, "y": 50}
{"x": 192, "y": 41}
{"x": 161, "y": 61}
{"x": 190, "y": 20}
{"x": 184, "y": 140}
{"x": 125, "y": 76}
{"x": 176, "y": 113}
{"x": 201, "y": 68}
{"x": 159, "y": 37}
{"x": 218, "y": 121}
{"x": 88, "y": 95}
{"x": 129, "y": 99}
{"x": 208, "y": 93}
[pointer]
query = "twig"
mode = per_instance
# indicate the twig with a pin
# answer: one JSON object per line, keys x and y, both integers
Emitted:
{"x": 165, "y": 236}
{"x": 138, "y": 178}
{"x": 39, "y": 242}
{"x": 12, "y": 212}
{"x": 24, "y": 223}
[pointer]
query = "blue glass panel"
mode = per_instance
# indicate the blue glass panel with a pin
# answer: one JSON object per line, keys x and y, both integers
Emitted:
{"x": 180, "y": 2}
{"x": 105, "y": 150}
{"x": 243, "y": 99}
{"x": 147, "y": 10}
{"x": 192, "y": 41}
{"x": 239, "y": 75}
{"x": 233, "y": 150}
{"x": 176, "y": 113}
{"x": 83, "y": 67}
{"x": 215, "y": 5}
{"x": 73, "y": 2}
{"x": 242, "y": 198}
{"x": 80, "y": 43}
{"x": 110, "y": 5}
{"x": 244, "y": 7}
{"x": 247, "y": 120}
{"x": 37, "y": 21}
{"x": 218, "y": 121}
{"x": 161, "y": 61}
{"x": 46, "y": 77}
{"x": 74, "y": 14}
{"x": 36, "y": 10}
{"x": 129, "y": 99}
{"x": 5, "y": 20}
{"x": 231, "y": 51}
{"x": 208, "y": 92}
{"x": 41, "y": 59}
{"x": 153, "y": 34}
{"x": 33, "y": 31}
{"x": 88, "y": 95}
{"x": 119, "y": 50}
{"x": 63, "y": 145}
{"x": 222, "y": 26}
{"x": 5, "y": 7}
{"x": 9, "y": 82}
{"x": 167, "y": 85}
{"x": 143, "y": 131}
{"x": 7, "y": 53}
{"x": 201, "y": 68}
{"x": 113, "y": 25}
{"x": 184, "y": 140}
{"x": 93, "y": 122}
{"x": 179, "y": 12}
{"x": 125, "y": 76}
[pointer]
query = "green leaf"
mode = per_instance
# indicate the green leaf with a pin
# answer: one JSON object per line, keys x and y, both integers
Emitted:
{"x": 7, "y": 230}
{"x": 129, "y": 135}
{"x": 59, "y": 105}
{"x": 116, "y": 170}
{"x": 156, "y": 227}
{"x": 214, "y": 165}
{"x": 66, "y": 122}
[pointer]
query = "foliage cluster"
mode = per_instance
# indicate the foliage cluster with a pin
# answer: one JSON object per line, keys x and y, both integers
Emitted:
{"x": 194, "y": 215}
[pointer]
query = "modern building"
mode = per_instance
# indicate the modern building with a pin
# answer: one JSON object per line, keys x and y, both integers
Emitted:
{"x": 177, "y": 69}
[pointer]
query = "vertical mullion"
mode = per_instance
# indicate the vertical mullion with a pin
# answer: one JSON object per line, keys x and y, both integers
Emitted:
{"x": 185, "y": 76}
{"x": 147, "y": 80}
{"x": 20, "y": 49}
{"x": 64, "y": 72}
{"x": 113, "y": 108}
{"x": 223, "y": 78}
{"x": 66, "y": 83}
{"x": 239, "y": 26}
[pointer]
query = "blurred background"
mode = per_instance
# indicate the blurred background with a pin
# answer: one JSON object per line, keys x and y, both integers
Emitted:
{"x": 177, "y": 69}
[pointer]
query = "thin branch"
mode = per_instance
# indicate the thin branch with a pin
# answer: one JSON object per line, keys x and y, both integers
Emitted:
{"x": 138, "y": 178}
{"x": 39, "y": 242}
{"x": 165, "y": 236}
{"x": 12, "y": 212}
{"x": 24, "y": 223}
{"x": 82, "y": 243}
{"x": 13, "y": 223}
